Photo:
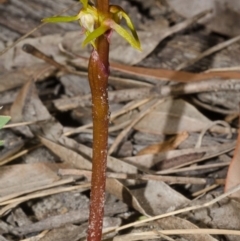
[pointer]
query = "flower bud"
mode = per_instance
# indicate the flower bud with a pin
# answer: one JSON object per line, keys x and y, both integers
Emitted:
{"x": 86, "y": 20}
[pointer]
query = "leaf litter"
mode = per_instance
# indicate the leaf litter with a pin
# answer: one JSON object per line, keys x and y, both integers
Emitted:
{"x": 169, "y": 156}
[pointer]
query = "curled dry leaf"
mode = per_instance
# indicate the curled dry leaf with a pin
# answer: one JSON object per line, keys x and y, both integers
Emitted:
{"x": 172, "y": 117}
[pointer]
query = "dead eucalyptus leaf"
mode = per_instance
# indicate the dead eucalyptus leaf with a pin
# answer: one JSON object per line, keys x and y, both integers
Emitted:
{"x": 151, "y": 201}
{"x": 225, "y": 13}
{"x": 24, "y": 178}
{"x": 116, "y": 188}
{"x": 70, "y": 157}
{"x": 172, "y": 117}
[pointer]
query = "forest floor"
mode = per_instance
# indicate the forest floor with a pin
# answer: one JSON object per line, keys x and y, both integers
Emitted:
{"x": 172, "y": 135}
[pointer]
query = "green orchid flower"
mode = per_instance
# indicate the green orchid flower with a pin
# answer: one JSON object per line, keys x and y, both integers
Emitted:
{"x": 89, "y": 17}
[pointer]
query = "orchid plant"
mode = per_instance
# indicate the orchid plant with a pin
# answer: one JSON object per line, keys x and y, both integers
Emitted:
{"x": 98, "y": 21}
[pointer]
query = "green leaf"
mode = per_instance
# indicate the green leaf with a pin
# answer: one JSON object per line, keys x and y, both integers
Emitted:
{"x": 60, "y": 19}
{"x": 4, "y": 120}
{"x": 125, "y": 34}
{"x": 95, "y": 34}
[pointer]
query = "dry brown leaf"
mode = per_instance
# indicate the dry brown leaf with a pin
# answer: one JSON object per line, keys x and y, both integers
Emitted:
{"x": 70, "y": 157}
{"x": 16, "y": 180}
{"x": 168, "y": 145}
{"x": 16, "y": 78}
{"x": 157, "y": 197}
{"x": 225, "y": 13}
{"x": 172, "y": 117}
{"x": 233, "y": 175}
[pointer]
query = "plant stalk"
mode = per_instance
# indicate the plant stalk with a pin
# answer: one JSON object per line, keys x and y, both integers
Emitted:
{"x": 98, "y": 72}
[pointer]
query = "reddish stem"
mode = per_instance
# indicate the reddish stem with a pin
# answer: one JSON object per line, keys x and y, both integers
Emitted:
{"x": 98, "y": 71}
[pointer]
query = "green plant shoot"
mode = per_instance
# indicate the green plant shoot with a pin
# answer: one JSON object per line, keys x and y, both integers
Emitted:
{"x": 3, "y": 121}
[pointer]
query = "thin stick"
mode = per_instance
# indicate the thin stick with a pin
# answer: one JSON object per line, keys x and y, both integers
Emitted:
{"x": 206, "y": 189}
{"x": 194, "y": 168}
{"x": 19, "y": 154}
{"x": 153, "y": 234}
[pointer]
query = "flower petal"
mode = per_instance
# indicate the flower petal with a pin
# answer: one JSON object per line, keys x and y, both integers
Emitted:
{"x": 130, "y": 25}
{"x": 95, "y": 34}
{"x": 125, "y": 34}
